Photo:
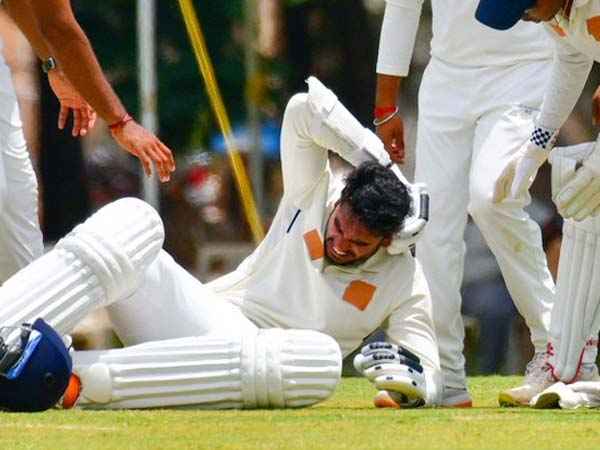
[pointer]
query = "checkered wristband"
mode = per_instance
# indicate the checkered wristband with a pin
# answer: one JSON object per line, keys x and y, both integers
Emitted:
{"x": 543, "y": 137}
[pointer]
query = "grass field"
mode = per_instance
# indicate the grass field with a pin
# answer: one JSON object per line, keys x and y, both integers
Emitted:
{"x": 346, "y": 421}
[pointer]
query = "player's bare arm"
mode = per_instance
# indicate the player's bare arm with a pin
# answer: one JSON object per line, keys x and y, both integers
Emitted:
{"x": 84, "y": 117}
{"x": 389, "y": 124}
{"x": 74, "y": 55}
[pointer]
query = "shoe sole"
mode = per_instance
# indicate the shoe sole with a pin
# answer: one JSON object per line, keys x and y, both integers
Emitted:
{"x": 547, "y": 401}
{"x": 383, "y": 400}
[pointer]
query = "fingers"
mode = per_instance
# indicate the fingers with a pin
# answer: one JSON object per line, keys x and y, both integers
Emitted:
{"x": 570, "y": 191}
{"x": 93, "y": 118}
{"x": 392, "y": 135}
{"x": 588, "y": 209}
{"x": 63, "y": 114}
{"x": 596, "y": 107}
{"x": 584, "y": 203}
{"x": 76, "y": 122}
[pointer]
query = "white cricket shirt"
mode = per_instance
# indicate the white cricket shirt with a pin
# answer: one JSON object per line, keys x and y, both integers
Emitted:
{"x": 287, "y": 281}
{"x": 458, "y": 38}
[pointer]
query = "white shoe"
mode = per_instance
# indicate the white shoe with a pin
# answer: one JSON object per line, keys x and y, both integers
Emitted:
{"x": 538, "y": 377}
{"x": 383, "y": 399}
{"x": 588, "y": 372}
{"x": 456, "y": 398}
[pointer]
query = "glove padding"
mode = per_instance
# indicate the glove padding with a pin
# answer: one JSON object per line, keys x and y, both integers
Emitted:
{"x": 582, "y": 394}
{"x": 579, "y": 197}
{"x": 518, "y": 175}
{"x": 395, "y": 370}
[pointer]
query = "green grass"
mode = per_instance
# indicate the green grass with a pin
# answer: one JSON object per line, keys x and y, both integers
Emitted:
{"x": 346, "y": 421}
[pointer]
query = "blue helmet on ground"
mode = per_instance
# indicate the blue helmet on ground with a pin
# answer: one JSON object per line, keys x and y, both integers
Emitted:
{"x": 35, "y": 367}
{"x": 502, "y": 14}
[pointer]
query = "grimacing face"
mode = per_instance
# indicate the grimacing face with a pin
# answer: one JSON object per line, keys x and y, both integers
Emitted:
{"x": 543, "y": 10}
{"x": 347, "y": 240}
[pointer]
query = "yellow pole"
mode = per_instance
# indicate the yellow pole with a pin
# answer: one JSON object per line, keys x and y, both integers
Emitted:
{"x": 216, "y": 101}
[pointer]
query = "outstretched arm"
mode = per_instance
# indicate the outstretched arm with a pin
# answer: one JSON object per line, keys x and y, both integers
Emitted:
{"x": 70, "y": 46}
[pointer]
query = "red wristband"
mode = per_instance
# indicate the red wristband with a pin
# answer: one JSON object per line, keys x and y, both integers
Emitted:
{"x": 382, "y": 111}
{"x": 121, "y": 123}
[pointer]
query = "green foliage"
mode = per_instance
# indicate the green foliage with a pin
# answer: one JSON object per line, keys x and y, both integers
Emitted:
{"x": 347, "y": 421}
{"x": 184, "y": 112}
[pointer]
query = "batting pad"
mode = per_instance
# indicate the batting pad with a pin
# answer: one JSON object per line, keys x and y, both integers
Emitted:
{"x": 270, "y": 369}
{"x": 576, "y": 312}
{"x": 99, "y": 262}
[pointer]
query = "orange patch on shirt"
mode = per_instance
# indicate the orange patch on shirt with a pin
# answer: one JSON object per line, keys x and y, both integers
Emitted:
{"x": 359, "y": 293}
{"x": 314, "y": 244}
{"x": 558, "y": 29}
{"x": 593, "y": 27}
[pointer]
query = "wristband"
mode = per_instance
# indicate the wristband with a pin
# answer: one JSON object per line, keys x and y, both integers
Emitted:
{"x": 543, "y": 137}
{"x": 120, "y": 123}
{"x": 382, "y": 111}
{"x": 380, "y": 121}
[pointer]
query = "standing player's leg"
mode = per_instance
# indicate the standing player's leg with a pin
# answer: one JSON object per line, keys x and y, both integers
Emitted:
{"x": 98, "y": 263}
{"x": 442, "y": 162}
{"x": 255, "y": 369}
{"x": 513, "y": 237}
{"x": 20, "y": 235}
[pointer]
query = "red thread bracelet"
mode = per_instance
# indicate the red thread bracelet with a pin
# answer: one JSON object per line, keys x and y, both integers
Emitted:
{"x": 382, "y": 111}
{"x": 121, "y": 123}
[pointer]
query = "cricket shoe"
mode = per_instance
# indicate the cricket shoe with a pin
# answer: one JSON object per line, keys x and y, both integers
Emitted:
{"x": 456, "y": 398}
{"x": 538, "y": 377}
{"x": 453, "y": 398}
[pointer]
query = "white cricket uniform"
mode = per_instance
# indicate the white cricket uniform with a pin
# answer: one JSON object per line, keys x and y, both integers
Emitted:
{"x": 576, "y": 38}
{"x": 575, "y": 320}
{"x": 20, "y": 235}
{"x": 477, "y": 100}
{"x": 287, "y": 281}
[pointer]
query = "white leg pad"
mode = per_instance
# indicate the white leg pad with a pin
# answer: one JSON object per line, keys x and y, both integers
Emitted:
{"x": 99, "y": 262}
{"x": 270, "y": 369}
{"x": 576, "y": 312}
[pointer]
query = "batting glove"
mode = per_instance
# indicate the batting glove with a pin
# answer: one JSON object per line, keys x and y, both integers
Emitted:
{"x": 517, "y": 177}
{"x": 395, "y": 370}
{"x": 580, "y": 197}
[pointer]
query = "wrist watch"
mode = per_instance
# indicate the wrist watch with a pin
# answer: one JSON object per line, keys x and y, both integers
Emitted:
{"x": 49, "y": 64}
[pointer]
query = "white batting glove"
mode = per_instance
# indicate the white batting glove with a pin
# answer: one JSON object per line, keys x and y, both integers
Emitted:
{"x": 395, "y": 370}
{"x": 518, "y": 175}
{"x": 579, "y": 198}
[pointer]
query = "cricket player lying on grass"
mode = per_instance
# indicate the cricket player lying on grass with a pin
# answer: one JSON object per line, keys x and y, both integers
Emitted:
{"x": 335, "y": 262}
{"x": 575, "y": 322}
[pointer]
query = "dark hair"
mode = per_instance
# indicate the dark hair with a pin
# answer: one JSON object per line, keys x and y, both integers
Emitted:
{"x": 377, "y": 197}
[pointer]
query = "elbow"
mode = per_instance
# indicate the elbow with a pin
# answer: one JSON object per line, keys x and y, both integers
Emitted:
{"x": 58, "y": 31}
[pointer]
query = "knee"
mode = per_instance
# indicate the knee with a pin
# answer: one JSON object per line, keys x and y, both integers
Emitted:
{"x": 480, "y": 205}
{"x": 301, "y": 368}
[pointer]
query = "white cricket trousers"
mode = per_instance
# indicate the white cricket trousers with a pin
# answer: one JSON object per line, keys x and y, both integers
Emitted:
{"x": 20, "y": 235}
{"x": 471, "y": 121}
{"x": 170, "y": 303}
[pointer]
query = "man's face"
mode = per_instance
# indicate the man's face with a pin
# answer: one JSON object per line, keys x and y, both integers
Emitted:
{"x": 543, "y": 10}
{"x": 347, "y": 240}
